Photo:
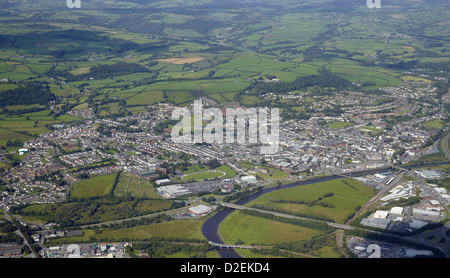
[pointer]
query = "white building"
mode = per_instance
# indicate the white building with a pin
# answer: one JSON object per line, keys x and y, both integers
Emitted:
{"x": 429, "y": 174}
{"x": 381, "y": 214}
{"x": 200, "y": 210}
{"x": 159, "y": 182}
{"x": 249, "y": 179}
{"x": 172, "y": 191}
{"x": 396, "y": 210}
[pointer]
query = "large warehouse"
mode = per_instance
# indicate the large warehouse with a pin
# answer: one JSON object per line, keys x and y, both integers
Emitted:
{"x": 200, "y": 210}
{"x": 381, "y": 223}
{"x": 172, "y": 191}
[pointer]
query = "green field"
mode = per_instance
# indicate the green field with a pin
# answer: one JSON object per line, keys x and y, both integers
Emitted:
{"x": 208, "y": 175}
{"x": 347, "y": 194}
{"x": 435, "y": 124}
{"x": 133, "y": 185}
{"x": 260, "y": 231}
{"x": 339, "y": 125}
{"x": 96, "y": 186}
{"x": 195, "y": 173}
{"x": 179, "y": 229}
{"x": 272, "y": 174}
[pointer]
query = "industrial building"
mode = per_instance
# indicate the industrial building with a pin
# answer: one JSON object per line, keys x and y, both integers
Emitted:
{"x": 428, "y": 213}
{"x": 396, "y": 210}
{"x": 400, "y": 191}
{"x": 159, "y": 182}
{"x": 417, "y": 224}
{"x": 248, "y": 179}
{"x": 381, "y": 223}
{"x": 381, "y": 214}
{"x": 172, "y": 191}
{"x": 429, "y": 174}
{"x": 23, "y": 151}
{"x": 200, "y": 210}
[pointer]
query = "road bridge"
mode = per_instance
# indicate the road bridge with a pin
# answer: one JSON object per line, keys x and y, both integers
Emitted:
{"x": 236, "y": 246}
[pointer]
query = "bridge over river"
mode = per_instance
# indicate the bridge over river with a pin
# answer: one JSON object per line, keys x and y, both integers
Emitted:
{"x": 236, "y": 246}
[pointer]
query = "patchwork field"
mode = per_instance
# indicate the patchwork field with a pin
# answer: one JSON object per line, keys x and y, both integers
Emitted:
{"x": 181, "y": 61}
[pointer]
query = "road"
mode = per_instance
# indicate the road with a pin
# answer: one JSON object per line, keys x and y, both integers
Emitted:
{"x": 420, "y": 239}
{"x": 18, "y": 232}
{"x": 444, "y": 145}
{"x": 195, "y": 203}
{"x": 340, "y": 232}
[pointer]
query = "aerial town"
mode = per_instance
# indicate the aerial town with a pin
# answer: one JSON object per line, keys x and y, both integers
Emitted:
{"x": 308, "y": 148}
{"x": 218, "y": 129}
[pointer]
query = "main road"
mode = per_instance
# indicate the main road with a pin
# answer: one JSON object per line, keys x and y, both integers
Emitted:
{"x": 18, "y": 232}
{"x": 444, "y": 145}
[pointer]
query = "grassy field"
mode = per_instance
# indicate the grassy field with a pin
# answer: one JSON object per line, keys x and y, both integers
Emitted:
{"x": 130, "y": 184}
{"x": 260, "y": 231}
{"x": 198, "y": 174}
{"x": 272, "y": 174}
{"x": 180, "y": 229}
{"x": 344, "y": 194}
{"x": 347, "y": 194}
{"x": 339, "y": 125}
{"x": 208, "y": 175}
{"x": 96, "y": 186}
{"x": 435, "y": 124}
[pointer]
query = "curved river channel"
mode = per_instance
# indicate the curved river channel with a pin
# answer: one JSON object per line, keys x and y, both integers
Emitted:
{"x": 210, "y": 228}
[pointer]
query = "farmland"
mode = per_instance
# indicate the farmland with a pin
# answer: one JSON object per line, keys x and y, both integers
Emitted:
{"x": 65, "y": 48}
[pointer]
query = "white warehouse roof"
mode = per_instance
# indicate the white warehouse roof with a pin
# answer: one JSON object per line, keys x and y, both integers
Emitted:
{"x": 200, "y": 209}
{"x": 248, "y": 178}
{"x": 171, "y": 191}
{"x": 381, "y": 214}
{"x": 396, "y": 210}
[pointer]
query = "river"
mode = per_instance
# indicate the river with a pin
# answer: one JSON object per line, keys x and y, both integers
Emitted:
{"x": 211, "y": 226}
